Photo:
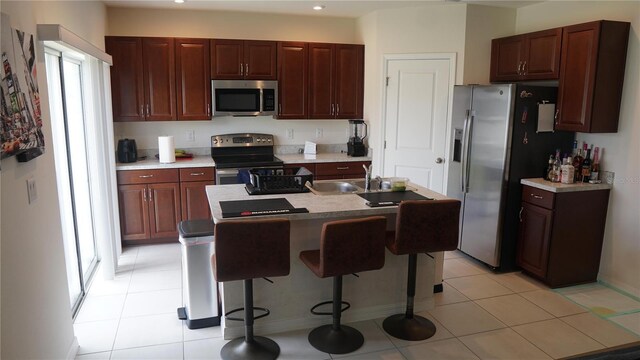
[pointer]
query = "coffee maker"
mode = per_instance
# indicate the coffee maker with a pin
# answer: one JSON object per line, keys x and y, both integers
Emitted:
{"x": 358, "y": 132}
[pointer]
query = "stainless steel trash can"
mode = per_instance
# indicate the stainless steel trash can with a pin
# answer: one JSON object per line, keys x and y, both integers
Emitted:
{"x": 199, "y": 290}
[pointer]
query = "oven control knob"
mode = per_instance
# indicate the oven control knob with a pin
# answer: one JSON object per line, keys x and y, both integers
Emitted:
{"x": 269, "y": 139}
{"x": 259, "y": 139}
{"x": 215, "y": 141}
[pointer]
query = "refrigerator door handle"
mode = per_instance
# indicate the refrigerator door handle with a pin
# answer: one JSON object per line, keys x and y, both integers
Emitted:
{"x": 465, "y": 151}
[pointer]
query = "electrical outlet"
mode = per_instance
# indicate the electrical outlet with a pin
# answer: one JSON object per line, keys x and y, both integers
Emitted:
{"x": 318, "y": 133}
{"x": 32, "y": 191}
{"x": 289, "y": 133}
{"x": 191, "y": 135}
{"x": 607, "y": 177}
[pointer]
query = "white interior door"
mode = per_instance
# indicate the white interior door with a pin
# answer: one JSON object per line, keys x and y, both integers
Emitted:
{"x": 418, "y": 97}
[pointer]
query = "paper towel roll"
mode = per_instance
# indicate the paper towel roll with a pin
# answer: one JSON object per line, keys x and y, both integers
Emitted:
{"x": 166, "y": 149}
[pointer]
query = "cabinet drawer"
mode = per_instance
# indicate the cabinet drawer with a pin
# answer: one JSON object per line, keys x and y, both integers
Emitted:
{"x": 147, "y": 176}
{"x": 197, "y": 174}
{"x": 341, "y": 168}
{"x": 538, "y": 197}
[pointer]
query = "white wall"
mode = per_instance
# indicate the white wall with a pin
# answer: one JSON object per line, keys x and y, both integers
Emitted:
{"x": 36, "y": 316}
{"x": 431, "y": 28}
{"x": 483, "y": 24}
{"x": 233, "y": 25}
{"x": 620, "y": 263}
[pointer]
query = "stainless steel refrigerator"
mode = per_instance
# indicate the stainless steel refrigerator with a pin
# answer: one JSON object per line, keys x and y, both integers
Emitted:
{"x": 495, "y": 144}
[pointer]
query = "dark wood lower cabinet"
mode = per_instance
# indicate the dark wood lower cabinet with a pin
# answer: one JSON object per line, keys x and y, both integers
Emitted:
{"x": 164, "y": 210}
{"x": 134, "y": 212}
{"x": 195, "y": 204}
{"x": 560, "y": 235}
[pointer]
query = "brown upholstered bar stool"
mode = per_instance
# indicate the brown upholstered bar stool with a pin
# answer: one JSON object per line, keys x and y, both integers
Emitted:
{"x": 245, "y": 250}
{"x": 421, "y": 226}
{"x": 346, "y": 247}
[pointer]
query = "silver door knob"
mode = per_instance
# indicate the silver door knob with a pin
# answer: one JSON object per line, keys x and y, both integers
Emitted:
{"x": 439, "y": 160}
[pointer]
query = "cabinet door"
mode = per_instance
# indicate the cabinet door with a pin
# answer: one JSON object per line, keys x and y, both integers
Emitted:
{"x": 349, "y": 81}
{"x": 507, "y": 55}
{"x": 195, "y": 204}
{"x": 193, "y": 79}
{"x": 127, "y": 94}
{"x": 134, "y": 212}
{"x": 293, "y": 59}
{"x": 260, "y": 60}
{"x": 159, "y": 78}
{"x": 533, "y": 239}
{"x": 164, "y": 210}
{"x": 321, "y": 81}
{"x": 227, "y": 57}
{"x": 577, "y": 76}
{"x": 542, "y": 61}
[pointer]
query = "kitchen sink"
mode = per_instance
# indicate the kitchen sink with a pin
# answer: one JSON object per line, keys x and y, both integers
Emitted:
{"x": 333, "y": 187}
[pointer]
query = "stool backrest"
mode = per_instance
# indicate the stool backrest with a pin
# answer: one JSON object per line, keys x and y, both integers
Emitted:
{"x": 251, "y": 249}
{"x": 351, "y": 246}
{"x": 426, "y": 226}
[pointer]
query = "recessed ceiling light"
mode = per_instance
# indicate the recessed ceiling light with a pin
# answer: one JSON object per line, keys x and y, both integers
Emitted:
{"x": 319, "y": 7}
{"x": 178, "y": 1}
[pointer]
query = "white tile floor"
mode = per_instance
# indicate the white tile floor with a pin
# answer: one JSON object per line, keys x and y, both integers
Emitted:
{"x": 480, "y": 315}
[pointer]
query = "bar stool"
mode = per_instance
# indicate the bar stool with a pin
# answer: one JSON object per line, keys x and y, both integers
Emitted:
{"x": 346, "y": 247}
{"x": 245, "y": 250}
{"x": 421, "y": 226}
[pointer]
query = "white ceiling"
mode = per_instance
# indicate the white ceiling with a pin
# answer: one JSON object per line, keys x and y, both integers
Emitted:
{"x": 353, "y": 8}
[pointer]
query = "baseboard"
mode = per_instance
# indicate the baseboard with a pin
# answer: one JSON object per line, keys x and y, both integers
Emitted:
{"x": 73, "y": 349}
{"x": 352, "y": 315}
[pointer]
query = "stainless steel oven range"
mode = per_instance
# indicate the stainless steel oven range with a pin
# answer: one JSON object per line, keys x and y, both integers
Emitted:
{"x": 235, "y": 152}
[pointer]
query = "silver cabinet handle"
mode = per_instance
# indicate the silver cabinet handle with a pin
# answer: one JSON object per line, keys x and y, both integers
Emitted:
{"x": 197, "y": 174}
{"x": 142, "y": 110}
{"x": 439, "y": 160}
{"x": 524, "y": 68}
{"x": 144, "y": 195}
{"x": 536, "y": 196}
{"x": 148, "y": 110}
{"x": 241, "y": 69}
{"x": 145, "y": 176}
{"x": 332, "y": 108}
{"x": 342, "y": 168}
{"x": 337, "y": 109}
{"x": 150, "y": 195}
{"x": 208, "y": 109}
{"x": 520, "y": 213}
{"x": 279, "y": 109}
{"x": 556, "y": 115}
{"x": 519, "y": 67}
{"x": 246, "y": 69}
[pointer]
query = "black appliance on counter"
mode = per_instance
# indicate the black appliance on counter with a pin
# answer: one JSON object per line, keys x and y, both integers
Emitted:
{"x": 235, "y": 152}
{"x": 355, "y": 146}
{"x": 127, "y": 151}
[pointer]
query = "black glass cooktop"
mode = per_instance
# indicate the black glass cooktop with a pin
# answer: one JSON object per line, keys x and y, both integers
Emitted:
{"x": 246, "y": 161}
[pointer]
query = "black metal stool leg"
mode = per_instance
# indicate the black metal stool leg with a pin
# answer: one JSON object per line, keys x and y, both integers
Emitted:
{"x": 250, "y": 347}
{"x": 408, "y": 326}
{"x": 336, "y": 338}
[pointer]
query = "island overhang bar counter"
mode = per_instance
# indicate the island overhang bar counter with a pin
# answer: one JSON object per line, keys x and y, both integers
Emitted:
{"x": 373, "y": 295}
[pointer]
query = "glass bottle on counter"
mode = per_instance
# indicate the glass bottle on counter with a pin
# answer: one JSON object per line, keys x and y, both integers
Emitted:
{"x": 568, "y": 172}
{"x": 556, "y": 167}
{"x": 549, "y": 174}
{"x": 577, "y": 162}
{"x": 595, "y": 167}
{"x": 586, "y": 167}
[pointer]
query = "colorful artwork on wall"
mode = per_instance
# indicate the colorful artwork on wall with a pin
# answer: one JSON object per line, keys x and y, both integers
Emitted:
{"x": 21, "y": 119}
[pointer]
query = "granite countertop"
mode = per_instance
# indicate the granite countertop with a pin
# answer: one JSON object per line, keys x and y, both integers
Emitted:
{"x": 319, "y": 158}
{"x": 206, "y": 161}
{"x": 319, "y": 206}
{"x": 543, "y": 184}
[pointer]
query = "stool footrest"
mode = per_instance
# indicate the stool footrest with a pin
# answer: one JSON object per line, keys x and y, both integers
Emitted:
{"x": 314, "y": 312}
{"x": 227, "y": 317}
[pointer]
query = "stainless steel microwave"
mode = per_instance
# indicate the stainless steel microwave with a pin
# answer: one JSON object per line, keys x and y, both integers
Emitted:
{"x": 244, "y": 97}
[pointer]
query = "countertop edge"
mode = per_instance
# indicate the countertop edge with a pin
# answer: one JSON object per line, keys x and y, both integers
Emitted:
{"x": 542, "y": 184}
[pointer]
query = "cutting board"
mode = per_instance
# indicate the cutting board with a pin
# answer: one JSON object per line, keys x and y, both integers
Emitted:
{"x": 390, "y": 198}
{"x": 243, "y": 208}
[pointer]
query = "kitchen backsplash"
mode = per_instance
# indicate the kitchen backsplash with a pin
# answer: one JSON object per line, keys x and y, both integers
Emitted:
{"x": 286, "y": 132}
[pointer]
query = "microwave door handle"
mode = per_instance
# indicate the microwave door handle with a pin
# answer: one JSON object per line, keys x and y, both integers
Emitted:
{"x": 261, "y": 100}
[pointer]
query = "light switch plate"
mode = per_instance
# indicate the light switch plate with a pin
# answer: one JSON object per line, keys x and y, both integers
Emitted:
{"x": 608, "y": 177}
{"x": 191, "y": 135}
{"x": 32, "y": 191}
{"x": 319, "y": 133}
{"x": 289, "y": 133}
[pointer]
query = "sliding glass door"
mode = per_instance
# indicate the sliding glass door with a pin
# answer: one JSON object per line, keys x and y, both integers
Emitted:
{"x": 65, "y": 76}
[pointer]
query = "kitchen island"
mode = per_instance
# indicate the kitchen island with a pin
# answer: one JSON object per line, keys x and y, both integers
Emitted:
{"x": 374, "y": 294}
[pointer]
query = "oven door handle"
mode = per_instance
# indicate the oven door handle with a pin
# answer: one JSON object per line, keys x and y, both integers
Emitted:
{"x": 227, "y": 171}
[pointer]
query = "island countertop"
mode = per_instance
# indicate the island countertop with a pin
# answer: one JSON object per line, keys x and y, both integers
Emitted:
{"x": 319, "y": 206}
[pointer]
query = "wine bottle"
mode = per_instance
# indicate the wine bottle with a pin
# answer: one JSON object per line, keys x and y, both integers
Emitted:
{"x": 577, "y": 163}
{"x": 556, "y": 167}
{"x": 548, "y": 175}
{"x": 595, "y": 167}
{"x": 586, "y": 167}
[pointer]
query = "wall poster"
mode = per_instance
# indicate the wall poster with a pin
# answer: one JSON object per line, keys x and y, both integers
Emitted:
{"x": 21, "y": 124}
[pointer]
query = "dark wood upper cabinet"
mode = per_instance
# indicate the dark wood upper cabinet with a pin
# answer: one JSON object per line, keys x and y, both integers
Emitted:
{"x": 591, "y": 76}
{"x": 336, "y": 81}
{"x": 159, "y": 78}
{"x": 349, "y": 93}
{"x": 293, "y": 82}
{"x": 243, "y": 59}
{"x": 533, "y": 56}
{"x": 142, "y": 78}
{"x": 126, "y": 78}
{"x": 193, "y": 79}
